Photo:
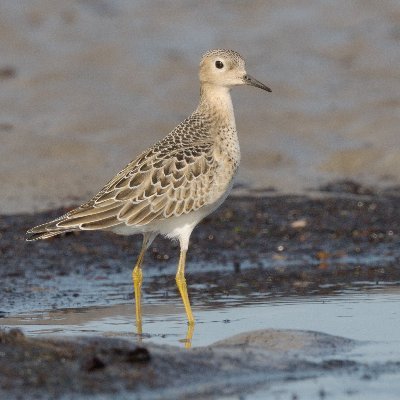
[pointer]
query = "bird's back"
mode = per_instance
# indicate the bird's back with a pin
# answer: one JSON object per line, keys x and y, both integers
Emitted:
{"x": 189, "y": 169}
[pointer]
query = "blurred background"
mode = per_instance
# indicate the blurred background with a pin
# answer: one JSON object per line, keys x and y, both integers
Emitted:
{"x": 85, "y": 85}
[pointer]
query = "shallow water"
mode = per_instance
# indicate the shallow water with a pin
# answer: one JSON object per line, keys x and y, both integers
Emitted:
{"x": 386, "y": 388}
{"x": 369, "y": 313}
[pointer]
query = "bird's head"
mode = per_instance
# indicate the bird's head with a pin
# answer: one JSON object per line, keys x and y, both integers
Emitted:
{"x": 226, "y": 68}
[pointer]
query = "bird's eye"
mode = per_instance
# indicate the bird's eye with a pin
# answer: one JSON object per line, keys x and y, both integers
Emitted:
{"x": 219, "y": 64}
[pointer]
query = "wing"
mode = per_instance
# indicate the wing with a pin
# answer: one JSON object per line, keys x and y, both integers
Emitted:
{"x": 163, "y": 182}
{"x": 174, "y": 177}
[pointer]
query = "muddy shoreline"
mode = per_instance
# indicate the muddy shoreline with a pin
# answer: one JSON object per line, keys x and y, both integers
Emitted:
{"x": 345, "y": 236}
{"x": 115, "y": 367}
{"x": 296, "y": 242}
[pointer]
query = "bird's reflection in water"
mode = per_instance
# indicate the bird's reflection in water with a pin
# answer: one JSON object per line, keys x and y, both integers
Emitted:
{"x": 187, "y": 340}
{"x": 189, "y": 336}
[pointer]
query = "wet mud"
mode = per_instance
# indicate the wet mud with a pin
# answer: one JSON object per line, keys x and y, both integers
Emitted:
{"x": 264, "y": 244}
{"x": 275, "y": 244}
{"x": 87, "y": 366}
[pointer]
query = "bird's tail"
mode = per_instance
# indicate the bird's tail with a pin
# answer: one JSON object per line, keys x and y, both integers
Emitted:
{"x": 85, "y": 217}
{"x": 47, "y": 230}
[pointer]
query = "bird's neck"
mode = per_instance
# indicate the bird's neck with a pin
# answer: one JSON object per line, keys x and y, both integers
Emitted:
{"x": 216, "y": 103}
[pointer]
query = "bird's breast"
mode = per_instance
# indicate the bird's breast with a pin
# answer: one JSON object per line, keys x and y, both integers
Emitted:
{"x": 227, "y": 150}
{"x": 227, "y": 158}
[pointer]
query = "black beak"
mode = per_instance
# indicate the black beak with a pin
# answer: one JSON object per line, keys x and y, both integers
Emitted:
{"x": 249, "y": 80}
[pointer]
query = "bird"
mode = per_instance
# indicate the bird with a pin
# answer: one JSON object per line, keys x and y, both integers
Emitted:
{"x": 170, "y": 187}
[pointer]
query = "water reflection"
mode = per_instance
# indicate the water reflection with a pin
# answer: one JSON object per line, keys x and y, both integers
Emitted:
{"x": 187, "y": 341}
{"x": 366, "y": 312}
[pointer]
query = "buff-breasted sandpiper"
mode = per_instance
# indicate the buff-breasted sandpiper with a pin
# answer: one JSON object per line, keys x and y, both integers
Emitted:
{"x": 170, "y": 187}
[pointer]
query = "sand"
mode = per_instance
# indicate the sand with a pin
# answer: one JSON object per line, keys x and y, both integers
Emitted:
{"x": 86, "y": 85}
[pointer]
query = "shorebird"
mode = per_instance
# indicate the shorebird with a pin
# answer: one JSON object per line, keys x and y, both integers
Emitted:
{"x": 170, "y": 187}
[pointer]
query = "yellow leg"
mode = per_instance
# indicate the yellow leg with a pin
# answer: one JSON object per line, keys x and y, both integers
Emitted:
{"x": 181, "y": 283}
{"x": 137, "y": 277}
{"x": 189, "y": 336}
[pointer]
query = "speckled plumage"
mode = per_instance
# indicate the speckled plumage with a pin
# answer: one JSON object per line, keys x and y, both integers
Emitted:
{"x": 190, "y": 168}
{"x": 177, "y": 175}
{"x": 173, "y": 185}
